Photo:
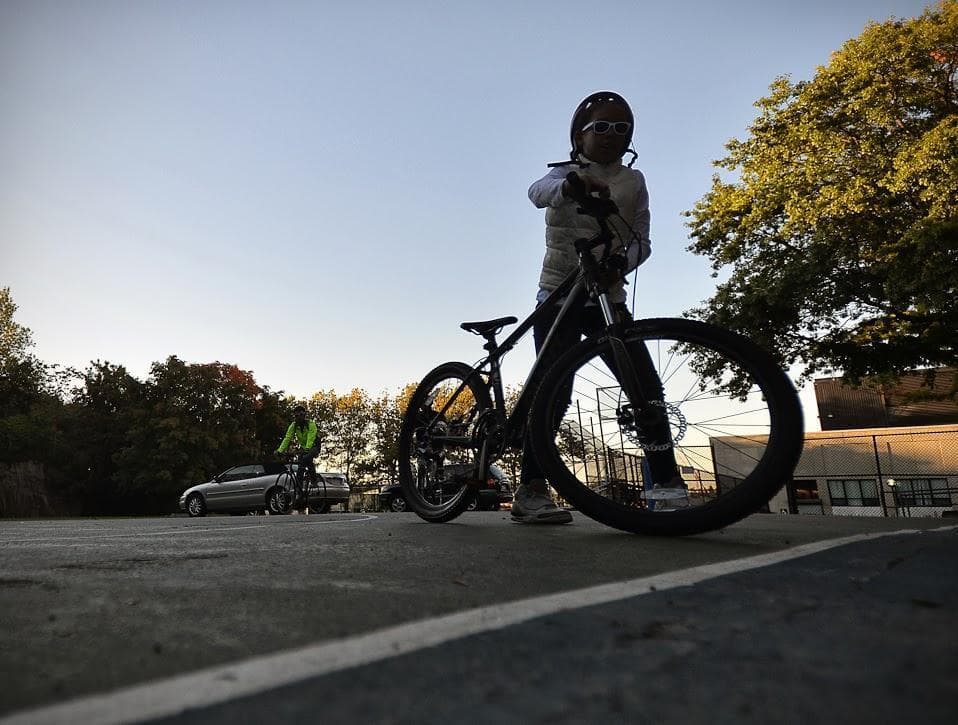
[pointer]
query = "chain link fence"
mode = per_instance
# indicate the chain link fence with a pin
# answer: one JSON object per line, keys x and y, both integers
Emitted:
{"x": 892, "y": 474}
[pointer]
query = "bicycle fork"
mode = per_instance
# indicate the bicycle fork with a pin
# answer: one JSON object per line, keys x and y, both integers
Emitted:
{"x": 628, "y": 375}
{"x": 615, "y": 322}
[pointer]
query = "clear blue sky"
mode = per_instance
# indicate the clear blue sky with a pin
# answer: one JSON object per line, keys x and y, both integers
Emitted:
{"x": 320, "y": 192}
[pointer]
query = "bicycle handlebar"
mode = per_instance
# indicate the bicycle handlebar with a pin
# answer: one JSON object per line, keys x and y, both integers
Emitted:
{"x": 609, "y": 267}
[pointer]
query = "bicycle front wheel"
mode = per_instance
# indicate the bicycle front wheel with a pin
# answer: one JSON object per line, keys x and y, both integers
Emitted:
{"x": 439, "y": 439}
{"x": 716, "y": 431}
{"x": 279, "y": 497}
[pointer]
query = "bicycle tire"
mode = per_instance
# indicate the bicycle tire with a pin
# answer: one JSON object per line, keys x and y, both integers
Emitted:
{"x": 750, "y": 433}
{"x": 279, "y": 496}
{"x": 431, "y": 476}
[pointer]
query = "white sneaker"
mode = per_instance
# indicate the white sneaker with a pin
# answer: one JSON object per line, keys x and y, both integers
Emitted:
{"x": 534, "y": 507}
{"x": 669, "y": 497}
{"x": 660, "y": 493}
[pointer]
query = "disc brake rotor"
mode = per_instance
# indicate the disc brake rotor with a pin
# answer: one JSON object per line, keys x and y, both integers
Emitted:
{"x": 635, "y": 428}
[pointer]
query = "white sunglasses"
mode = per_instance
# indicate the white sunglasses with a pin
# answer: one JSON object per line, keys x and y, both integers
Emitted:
{"x": 619, "y": 128}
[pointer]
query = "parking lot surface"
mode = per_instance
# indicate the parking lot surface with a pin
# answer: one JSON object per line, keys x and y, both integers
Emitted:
{"x": 95, "y": 607}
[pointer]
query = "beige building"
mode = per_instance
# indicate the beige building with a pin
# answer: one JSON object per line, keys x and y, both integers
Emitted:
{"x": 907, "y": 471}
{"x": 904, "y": 471}
{"x": 884, "y": 450}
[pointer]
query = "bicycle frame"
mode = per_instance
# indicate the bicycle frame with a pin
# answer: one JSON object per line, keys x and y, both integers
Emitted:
{"x": 310, "y": 477}
{"x": 511, "y": 428}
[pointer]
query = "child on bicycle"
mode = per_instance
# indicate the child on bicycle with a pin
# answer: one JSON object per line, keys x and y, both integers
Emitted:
{"x": 601, "y": 135}
{"x": 306, "y": 433}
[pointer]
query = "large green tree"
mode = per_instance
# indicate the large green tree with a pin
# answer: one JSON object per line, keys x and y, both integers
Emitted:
{"x": 837, "y": 226}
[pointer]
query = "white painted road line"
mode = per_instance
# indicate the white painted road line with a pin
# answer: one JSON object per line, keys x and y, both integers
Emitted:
{"x": 220, "y": 684}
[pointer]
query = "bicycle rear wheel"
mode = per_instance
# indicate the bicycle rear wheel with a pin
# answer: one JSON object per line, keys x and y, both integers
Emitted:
{"x": 437, "y": 474}
{"x": 722, "y": 435}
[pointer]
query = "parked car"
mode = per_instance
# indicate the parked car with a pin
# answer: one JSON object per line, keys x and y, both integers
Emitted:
{"x": 329, "y": 490}
{"x": 255, "y": 487}
{"x": 492, "y": 496}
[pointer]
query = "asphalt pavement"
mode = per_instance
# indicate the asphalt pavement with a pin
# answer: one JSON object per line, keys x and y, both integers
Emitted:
{"x": 383, "y": 618}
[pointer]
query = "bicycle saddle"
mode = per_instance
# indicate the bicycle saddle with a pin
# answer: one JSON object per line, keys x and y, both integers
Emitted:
{"x": 484, "y": 327}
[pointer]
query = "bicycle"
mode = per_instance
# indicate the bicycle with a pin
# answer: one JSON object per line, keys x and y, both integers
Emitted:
{"x": 285, "y": 494}
{"x": 639, "y": 396}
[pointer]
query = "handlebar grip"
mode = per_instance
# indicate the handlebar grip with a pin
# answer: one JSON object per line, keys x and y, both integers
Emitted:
{"x": 576, "y": 186}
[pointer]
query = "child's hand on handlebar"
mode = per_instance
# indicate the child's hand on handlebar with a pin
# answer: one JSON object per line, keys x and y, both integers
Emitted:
{"x": 581, "y": 189}
{"x": 586, "y": 186}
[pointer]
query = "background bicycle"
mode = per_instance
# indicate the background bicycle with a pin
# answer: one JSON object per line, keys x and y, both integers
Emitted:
{"x": 316, "y": 494}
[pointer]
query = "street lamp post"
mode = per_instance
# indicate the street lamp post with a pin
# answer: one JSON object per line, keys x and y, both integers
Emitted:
{"x": 893, "y": 485}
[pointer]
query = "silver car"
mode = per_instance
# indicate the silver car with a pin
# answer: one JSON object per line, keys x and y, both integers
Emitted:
{"x": 260, "y": 487}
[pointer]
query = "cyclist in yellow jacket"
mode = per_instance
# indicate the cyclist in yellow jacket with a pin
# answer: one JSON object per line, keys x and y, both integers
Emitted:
{"x": 307, "y": 434}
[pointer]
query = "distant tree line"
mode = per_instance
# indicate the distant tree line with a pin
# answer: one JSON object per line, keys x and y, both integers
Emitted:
{"x": 111, "y": 443}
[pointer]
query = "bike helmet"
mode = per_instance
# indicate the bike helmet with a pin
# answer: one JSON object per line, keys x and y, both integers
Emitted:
{"x": 582, "y": 111}
{"x": 299, "y": 408}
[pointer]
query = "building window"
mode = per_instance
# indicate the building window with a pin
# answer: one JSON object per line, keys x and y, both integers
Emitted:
{"x": 853, "y": 492}
{"x": 923, "y": 492}
{"x": 803, "y": 497}
{"x": 806, "y": 492}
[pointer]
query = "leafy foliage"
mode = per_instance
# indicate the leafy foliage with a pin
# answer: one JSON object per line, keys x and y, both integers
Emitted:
{"x": 386, "y": 414}
{"x": 353, "y": 430}
{"x": 29, "y": 410}
{"x": 22, "y": 376}
{"x": 840, "y": 227}
{"x": 99, "y": 417}
{"x": 15, "y": 339}
{"x": 192, "y": 421}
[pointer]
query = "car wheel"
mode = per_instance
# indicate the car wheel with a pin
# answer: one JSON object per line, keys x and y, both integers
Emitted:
{"x": 195, "y": 505}
{"x": 320, "y": 508}
{"x": 278, "y": 501}
{"x": 398, "y": 503}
